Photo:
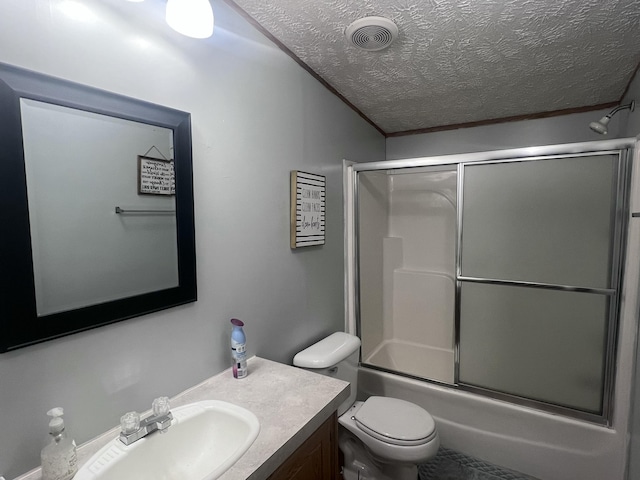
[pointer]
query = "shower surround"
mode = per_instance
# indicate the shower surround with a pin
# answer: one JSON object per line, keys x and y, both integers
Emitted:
{"x": 415, "y": 333}
{"x": 404, "y": 301}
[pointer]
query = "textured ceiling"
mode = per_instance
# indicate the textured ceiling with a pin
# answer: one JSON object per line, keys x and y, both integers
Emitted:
{"x": 461, "y": 61}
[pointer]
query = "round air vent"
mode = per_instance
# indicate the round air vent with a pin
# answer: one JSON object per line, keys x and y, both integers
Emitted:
{"x": 372, "y": 33}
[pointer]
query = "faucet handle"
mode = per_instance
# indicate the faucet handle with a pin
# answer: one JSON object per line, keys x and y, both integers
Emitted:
{"x": 130, "y": 422}
{"x": 160, "y": 406}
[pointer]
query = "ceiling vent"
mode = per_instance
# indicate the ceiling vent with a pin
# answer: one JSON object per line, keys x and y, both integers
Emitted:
{"x": 372, "y": 33}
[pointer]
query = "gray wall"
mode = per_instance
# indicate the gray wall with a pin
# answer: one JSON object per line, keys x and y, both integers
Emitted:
{"x": 524, "y": 133}
{"x": 632, "y": 120}
{"x": 256, "y": 115}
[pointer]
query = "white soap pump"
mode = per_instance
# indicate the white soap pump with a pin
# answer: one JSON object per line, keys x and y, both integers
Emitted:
{"x": 59, "y": 459}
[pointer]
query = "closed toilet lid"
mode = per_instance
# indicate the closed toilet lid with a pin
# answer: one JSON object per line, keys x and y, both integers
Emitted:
{"x": 395, "y": 421}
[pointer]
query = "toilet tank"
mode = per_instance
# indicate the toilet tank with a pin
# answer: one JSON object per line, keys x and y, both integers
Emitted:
{"x": 335, "y": 356}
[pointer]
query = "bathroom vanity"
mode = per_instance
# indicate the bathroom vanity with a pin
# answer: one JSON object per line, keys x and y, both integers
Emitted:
{"x": 316, "y": 458}
{"x": 298, "y": 424}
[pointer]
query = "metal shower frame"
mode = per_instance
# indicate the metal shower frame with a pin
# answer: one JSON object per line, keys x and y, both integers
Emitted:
{"x": 621, "y": 147}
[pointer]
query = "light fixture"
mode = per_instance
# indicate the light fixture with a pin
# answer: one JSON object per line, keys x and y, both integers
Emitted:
{"x": 193, "y": 18}
{"x": 601, "y": 125}
{"x": 77, "y": 11}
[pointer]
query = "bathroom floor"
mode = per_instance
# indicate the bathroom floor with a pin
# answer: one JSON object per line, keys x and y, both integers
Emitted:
{"x": 451, "y": 465}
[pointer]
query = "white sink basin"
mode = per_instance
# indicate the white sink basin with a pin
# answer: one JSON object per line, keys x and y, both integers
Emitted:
{"x": 204, "y": 440}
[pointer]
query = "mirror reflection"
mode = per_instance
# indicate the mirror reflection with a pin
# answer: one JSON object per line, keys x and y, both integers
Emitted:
{"x": 79, "y": 167}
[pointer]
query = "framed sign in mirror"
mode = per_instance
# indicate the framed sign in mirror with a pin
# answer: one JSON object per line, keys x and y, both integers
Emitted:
{"x": 155, "y": 176}
{"x": 84, "y": 244}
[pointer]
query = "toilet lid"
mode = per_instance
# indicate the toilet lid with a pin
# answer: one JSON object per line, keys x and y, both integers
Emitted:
{"x": 395, "y": 421}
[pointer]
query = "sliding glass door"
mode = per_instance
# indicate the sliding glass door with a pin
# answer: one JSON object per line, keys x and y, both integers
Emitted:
{"x": 497, "y": 272}
{"x": 538, "y": 278}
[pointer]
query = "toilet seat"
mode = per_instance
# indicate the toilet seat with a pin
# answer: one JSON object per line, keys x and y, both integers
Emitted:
{"x": 395, "y": 421}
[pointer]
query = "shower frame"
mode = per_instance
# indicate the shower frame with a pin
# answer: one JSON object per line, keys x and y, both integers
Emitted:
{"x": 621, "y": 147}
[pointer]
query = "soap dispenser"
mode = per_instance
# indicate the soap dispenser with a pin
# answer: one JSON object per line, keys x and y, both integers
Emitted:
{"x": 59, "y": 459}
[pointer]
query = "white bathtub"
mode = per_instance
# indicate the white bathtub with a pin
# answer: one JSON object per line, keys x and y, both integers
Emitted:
{"x": 546, "y": 446}
{"x": 414, "y": 359}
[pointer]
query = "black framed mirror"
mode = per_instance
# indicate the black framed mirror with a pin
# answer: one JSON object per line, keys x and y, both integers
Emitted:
{"x": 96, "y": 196}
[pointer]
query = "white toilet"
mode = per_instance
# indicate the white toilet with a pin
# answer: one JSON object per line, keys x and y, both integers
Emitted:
{"x": 381, "y": 438}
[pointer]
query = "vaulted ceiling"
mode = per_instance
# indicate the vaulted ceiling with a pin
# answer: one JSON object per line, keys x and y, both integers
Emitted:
{"x": 463, "y": 61}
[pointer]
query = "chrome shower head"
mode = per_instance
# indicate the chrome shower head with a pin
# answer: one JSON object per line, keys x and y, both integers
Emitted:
{"x": 601, "y": 125}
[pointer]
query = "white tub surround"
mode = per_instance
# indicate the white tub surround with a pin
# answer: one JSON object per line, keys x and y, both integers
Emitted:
{"x": 408, "y": 266}
{"x": 290, "y": 403}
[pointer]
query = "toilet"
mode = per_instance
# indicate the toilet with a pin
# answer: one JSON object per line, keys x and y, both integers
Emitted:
{"x": 381, "y": 438}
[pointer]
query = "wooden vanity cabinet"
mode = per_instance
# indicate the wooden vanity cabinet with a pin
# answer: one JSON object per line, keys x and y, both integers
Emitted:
{"x": 316, "y": 458}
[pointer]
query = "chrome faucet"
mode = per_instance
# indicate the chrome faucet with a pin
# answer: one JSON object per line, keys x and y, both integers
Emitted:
{"x": 133, "y": 429}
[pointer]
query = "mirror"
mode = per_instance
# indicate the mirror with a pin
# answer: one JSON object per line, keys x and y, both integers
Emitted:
{"x": 97, "y": 196}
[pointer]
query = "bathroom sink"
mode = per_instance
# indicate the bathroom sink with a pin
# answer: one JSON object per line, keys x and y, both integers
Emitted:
{"x": 203, "y": 441}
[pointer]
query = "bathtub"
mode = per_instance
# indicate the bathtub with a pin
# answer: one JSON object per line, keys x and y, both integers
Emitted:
{"x": 414, "y": 359}
{"x": 546, "y": 446}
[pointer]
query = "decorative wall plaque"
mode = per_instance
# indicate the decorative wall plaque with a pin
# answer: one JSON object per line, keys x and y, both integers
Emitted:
{"x": 308, "y": 206}
{"x": 156, "y": 176}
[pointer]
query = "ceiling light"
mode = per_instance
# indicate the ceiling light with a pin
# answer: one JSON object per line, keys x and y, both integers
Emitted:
{"x": 601, "y": 125}
{"x": 193, "y": 18}
{"x": 77, "y": 11}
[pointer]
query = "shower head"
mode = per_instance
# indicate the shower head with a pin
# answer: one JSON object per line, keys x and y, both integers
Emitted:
{"x": 601, "y": 125}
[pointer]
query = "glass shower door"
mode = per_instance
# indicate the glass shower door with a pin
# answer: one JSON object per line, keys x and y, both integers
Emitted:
{"x": 538, "y": 278}
{"x": 497, "y": 273}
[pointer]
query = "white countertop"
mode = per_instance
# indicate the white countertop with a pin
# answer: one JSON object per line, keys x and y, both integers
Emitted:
{"x": 290, "y": 403}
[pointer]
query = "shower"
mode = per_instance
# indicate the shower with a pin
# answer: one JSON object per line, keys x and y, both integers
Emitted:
{"x": 496, "y": 273}
{"x": 601, "y": 125}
